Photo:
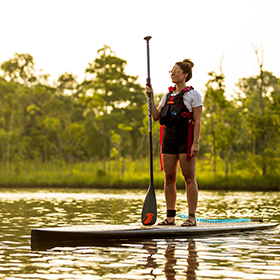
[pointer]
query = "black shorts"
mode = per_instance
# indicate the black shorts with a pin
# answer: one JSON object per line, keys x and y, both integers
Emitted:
{"x": 175, "y": 140}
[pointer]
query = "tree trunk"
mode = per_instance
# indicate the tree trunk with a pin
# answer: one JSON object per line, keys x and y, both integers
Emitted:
{"x": 123, "y": 167}
{"x": 8, "y": 140}
{"x": 18, "y": 150}
{"x": 262, "y": 105}
{"x": 226, "y": 167}
{"x": 262, "y": 124}
{"x": 71, "y": 164}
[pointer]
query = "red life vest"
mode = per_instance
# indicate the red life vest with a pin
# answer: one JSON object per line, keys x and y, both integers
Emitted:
{"x": 175, "y": 113}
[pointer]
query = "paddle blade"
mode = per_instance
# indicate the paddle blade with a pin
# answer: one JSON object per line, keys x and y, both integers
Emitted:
{"x": 149, "y": 211}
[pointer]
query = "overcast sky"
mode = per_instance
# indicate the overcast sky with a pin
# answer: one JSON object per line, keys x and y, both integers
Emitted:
{"x": 64, "y": 36}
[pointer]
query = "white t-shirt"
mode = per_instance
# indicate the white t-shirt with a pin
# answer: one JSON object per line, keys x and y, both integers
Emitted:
{"x": 191, "y": 99}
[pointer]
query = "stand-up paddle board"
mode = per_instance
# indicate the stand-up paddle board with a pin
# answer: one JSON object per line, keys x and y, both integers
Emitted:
{"x": 98, "y": 234}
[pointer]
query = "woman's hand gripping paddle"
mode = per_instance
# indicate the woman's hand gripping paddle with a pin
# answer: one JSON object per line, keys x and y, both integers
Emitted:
{"x": 149, "y": 211}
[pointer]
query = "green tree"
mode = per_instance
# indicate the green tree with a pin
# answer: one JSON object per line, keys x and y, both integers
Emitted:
{"x": 220, "y": 121}
{"x": 20, "y": 69}
{"x": 11, "y": 122}
{"x": 67, "y": 84}
{"x": 258, "y": 99}
{"x": 213, "y": 100}
{"x": 113, "y": 98}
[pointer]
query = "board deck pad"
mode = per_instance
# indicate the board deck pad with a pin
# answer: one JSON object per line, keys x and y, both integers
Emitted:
{"x": 100, "y": 233}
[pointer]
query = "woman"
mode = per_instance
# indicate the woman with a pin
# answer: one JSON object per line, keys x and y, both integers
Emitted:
{"x": 180, "y": 110}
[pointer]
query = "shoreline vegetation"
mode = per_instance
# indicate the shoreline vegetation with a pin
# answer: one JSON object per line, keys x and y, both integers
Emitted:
{"x": 127, "y": 174}
{"x": 94, "y": 134}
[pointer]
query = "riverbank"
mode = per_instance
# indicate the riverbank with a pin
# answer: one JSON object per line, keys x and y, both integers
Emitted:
{"x": 129, "y": 175}
{"x": 222, "y": 184}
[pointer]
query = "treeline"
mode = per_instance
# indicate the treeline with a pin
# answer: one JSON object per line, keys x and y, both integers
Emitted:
{"x": 105, "y": 118}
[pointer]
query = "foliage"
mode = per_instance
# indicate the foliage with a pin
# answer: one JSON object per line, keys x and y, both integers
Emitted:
{"x": 20, "y": 69}
{"x": 220, "y": 121}
{"x": 259, "y": 108}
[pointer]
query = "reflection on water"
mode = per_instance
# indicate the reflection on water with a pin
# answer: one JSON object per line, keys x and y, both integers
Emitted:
{"x": 254, "y": 255}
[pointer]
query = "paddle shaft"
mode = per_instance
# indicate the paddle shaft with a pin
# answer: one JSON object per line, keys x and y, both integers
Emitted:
{"x": 150, "y": 111}
{"x": 149, "y": 211}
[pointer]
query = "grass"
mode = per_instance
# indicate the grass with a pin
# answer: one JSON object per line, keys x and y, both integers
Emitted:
{"x": 127, "y": 174}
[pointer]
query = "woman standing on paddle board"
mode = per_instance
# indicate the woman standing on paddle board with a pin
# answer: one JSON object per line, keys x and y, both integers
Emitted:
{"x": 179, "y": 112}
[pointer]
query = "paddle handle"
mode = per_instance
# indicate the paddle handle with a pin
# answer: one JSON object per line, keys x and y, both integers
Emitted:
{"x": 147, "y": 38}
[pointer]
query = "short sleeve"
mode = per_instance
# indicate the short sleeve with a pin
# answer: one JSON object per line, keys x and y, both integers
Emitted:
{"x": 192, "y": 99}
{"x": 163, "y": 100}
{"x": 196, "y": 99}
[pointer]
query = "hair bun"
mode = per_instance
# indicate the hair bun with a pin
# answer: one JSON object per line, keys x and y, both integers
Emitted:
{"x": 189, "y": 62}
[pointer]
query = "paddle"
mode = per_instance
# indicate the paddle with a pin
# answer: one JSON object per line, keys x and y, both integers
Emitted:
{"x": 149, "y": 211}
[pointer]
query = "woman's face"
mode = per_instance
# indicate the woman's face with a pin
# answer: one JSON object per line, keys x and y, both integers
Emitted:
{"x": 177, "y": 74}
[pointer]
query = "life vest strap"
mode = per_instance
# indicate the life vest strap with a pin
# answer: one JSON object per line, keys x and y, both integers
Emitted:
{"x": 186, "y": 115}
{"x": 190, "y": 138}
{"x": 161, "y": 133}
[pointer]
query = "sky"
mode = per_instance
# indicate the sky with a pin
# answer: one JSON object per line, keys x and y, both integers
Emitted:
{"x": 65, "y": 35}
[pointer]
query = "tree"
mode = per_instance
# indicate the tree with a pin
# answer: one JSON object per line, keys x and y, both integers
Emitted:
{"x": 211, "y": 117}
{"x": 10, "y": 120}
{"x": 67, "y": 83}
{"x": 20, "y": 69}
{"x": 114, "y": 98}
{"x": 220, "y": 121}
{"x": 258, "y": 98}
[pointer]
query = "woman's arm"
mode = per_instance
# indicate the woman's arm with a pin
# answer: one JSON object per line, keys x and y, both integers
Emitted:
{"x": 197, "y": 115}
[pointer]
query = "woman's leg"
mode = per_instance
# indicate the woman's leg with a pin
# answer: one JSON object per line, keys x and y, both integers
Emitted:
{"x": 188, "y": 171}
{"x": 170, "y": 164}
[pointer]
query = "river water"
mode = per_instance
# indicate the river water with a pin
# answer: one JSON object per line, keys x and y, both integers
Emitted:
{"x": 247, "y": 255}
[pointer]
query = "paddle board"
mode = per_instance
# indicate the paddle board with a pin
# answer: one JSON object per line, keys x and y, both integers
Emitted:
{"x": 103, "y": 233}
